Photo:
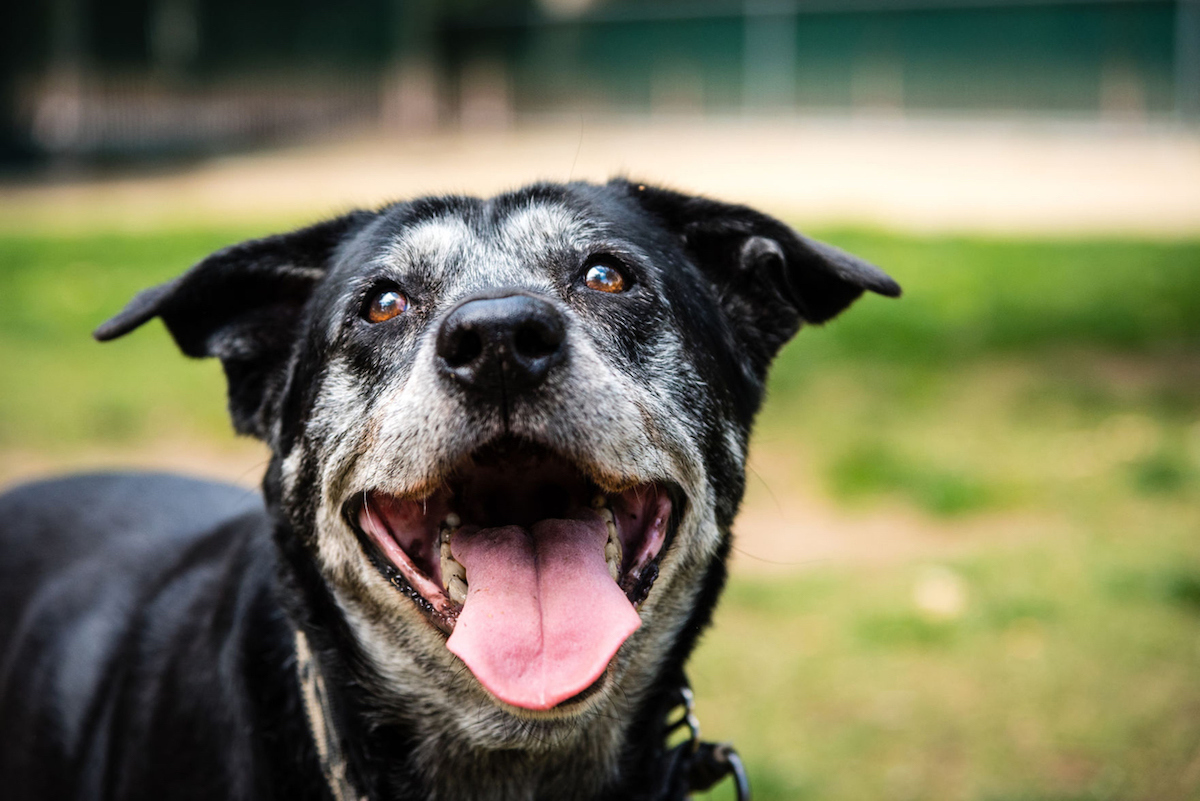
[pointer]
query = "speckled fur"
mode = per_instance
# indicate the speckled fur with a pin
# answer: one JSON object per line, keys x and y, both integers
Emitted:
{"x": 660, "y": 383}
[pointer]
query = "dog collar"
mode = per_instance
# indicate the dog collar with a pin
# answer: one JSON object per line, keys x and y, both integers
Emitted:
{"x": 320, "y": 723}
{"x": 695, "y": 766}
{"x": 692, "y": 766}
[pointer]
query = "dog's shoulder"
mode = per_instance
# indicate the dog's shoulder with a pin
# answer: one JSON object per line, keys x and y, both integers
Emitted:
{"x": 127, "y": 500}
{"x": 129, "y": 586}
{"x": 136, "y": 521}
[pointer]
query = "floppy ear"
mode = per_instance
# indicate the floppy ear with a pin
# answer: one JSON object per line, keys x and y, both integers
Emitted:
{"x": 770, "y": 279}
{"x": 243, "y": 305}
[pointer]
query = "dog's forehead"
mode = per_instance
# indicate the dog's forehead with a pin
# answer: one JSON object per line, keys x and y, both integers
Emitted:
{"x": 496, "y": 242}
{"x": 546, "y": 226}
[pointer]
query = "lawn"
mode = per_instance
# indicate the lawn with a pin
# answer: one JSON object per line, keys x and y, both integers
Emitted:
{"x": 1036, "y": 386}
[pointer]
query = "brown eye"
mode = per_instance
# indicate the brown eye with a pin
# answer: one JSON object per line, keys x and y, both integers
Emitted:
{"x": 605, "y": 278}
{"x": 386, "y": 305}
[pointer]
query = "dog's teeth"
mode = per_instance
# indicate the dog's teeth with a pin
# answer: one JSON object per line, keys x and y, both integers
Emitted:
{"x": 607, "y": 515}
{"x": 457, "y": 590}
{"x": 612, "y": 555}
{"x": 613, "y": 552}
{"x": 452, "y": 569}
{"x": 454, "y": 575}
{"x": 599, "y": 502}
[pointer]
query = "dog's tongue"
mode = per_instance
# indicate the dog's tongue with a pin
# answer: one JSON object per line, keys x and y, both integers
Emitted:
{"x": 543, "y": 617}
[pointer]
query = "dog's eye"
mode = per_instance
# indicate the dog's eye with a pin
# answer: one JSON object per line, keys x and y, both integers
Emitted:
{"x": 605, "y": 278}
{"x": 385, "y": 305}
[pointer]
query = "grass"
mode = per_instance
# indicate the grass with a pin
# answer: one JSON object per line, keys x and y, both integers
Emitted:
{"x": 1068, "y": 672}
{"x": 65, "y": 389}
{"x": 1046, "y": 380}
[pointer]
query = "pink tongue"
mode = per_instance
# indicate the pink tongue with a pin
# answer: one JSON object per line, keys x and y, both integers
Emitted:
{"x": 543, "y": 617}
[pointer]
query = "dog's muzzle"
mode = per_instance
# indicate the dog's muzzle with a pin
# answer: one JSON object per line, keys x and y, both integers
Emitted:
{"x": 533, "y": 570}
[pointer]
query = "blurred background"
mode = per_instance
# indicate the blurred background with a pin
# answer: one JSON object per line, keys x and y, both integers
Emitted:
{"x": 968, "y": 565}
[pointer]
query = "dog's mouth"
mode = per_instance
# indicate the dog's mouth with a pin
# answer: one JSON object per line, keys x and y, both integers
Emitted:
{"x": 533, "y": 570}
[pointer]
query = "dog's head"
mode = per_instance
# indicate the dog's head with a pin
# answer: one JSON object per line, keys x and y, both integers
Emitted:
{"x": 510, "y": 434}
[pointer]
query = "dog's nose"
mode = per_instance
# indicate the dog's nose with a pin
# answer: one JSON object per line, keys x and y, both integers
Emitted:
{"x": 504, "y": 344}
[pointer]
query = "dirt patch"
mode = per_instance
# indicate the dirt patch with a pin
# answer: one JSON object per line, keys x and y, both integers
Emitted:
{"x": 241, "y": 462}
{"x": 786, "y": 524}
{"x": 797, "y": 529}
{"x": 908, "y": 174}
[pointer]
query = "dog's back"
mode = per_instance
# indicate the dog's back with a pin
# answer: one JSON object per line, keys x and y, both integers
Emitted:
{"x": 124, "y": 595}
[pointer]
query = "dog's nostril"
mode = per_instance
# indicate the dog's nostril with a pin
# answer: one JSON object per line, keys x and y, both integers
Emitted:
{"x": 511, "y": 341}
{"x": 464, "y": 349}
{"x": 535, "y": 341}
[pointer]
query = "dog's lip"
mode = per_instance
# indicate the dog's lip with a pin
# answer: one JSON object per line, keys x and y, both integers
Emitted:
{"x": 421, "y": 582}
{"x": 399, "y": 568}
{"x": 441, "y": 615}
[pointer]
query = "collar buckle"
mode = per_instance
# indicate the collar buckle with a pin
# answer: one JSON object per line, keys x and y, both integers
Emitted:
{"x": 695, "y": 766}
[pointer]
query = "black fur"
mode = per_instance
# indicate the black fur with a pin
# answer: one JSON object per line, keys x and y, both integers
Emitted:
{"x": 146, "y": 621}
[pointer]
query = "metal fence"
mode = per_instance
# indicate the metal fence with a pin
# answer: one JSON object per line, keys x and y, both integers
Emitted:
{"x": 95, "y": 77}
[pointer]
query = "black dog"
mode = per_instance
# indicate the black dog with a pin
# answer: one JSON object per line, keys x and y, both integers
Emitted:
{"x": 508, "y": 441}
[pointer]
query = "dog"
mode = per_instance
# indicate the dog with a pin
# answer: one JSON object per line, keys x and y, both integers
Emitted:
{"x": 508, "y": 441}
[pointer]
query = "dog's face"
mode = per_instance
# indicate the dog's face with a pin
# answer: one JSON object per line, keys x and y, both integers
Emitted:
{"x": 511, "y": 433}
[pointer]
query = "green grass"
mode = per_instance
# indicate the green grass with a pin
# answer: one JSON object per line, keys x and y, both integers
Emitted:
{"x": 966, "y": 300}
{"x": 62, "y": 388}
{"x": 970, "y": 297}
{"x": 1070, "y": 673}
{"x": 1053, "y": 381}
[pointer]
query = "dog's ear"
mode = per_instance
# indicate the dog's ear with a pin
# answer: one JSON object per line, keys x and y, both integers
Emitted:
{"x": 243, "y": 305}
{"x": 770, "y": 278}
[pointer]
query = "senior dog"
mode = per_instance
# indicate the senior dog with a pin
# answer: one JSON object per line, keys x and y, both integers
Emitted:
{"x": 508, "y": 442}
